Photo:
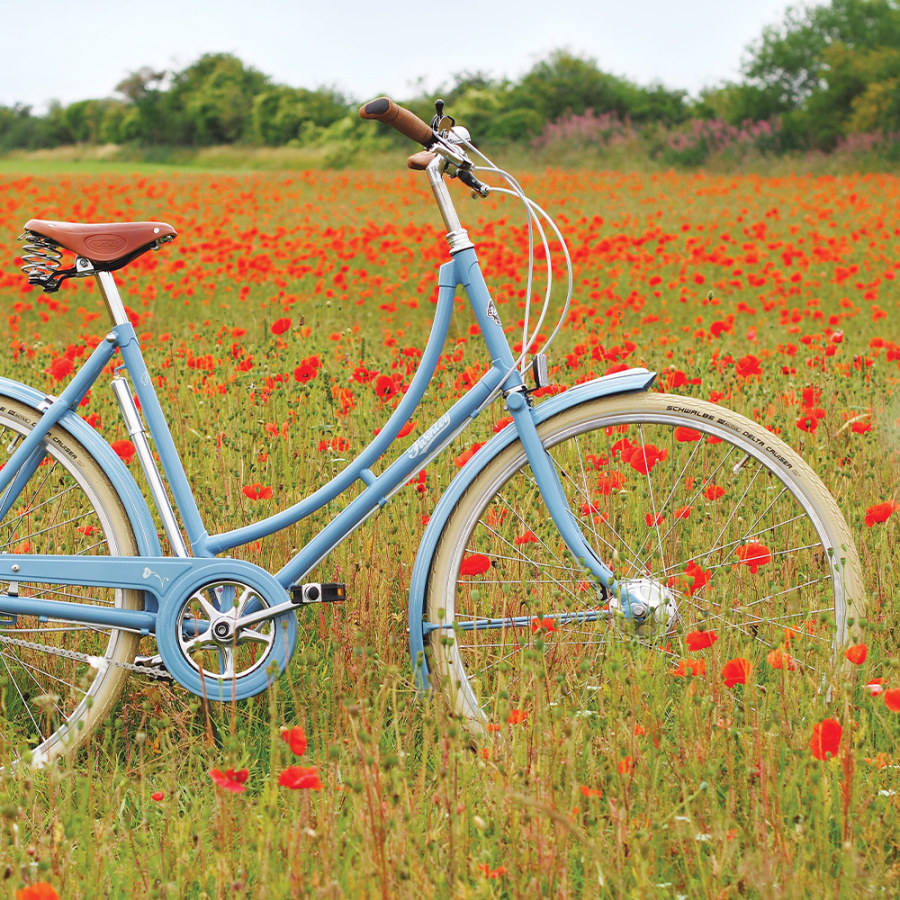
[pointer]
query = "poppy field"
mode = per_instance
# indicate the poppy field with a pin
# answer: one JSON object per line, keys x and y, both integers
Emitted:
{"x": 282, "y": 327}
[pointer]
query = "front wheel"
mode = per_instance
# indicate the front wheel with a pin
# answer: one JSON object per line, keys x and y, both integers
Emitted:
{"x": 719, "y": 530}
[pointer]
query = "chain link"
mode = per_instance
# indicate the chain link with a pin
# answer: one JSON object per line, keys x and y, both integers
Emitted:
{"x": 96, "y": 662}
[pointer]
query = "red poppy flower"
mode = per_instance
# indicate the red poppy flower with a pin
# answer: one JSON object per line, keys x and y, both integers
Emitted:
{"x": 474, "y": 564}
{"x": 61, "y": 367}
{"x": 700, "y": 640}
{"x": 643, "y": 459}
{"x": 41, "y": 890}
{"x": 748, "y": 367}
{"x": 881, "y": 512}
{"x": 527, "y": 538}
{"x": 158, "y": 795}
{"x": 688, "y": 667}
{"x": 546, "y": 624}
{"x": 892, "y": 699}
{"x": 124, "y": 450}
{"x": 298, "y": 778}
{"x": 875, "y": 686}
{"x": 295, "y": 738}
{"x": 857, "y": 654}
{"x": 781, "y": 659}
{"x": 625, "y": 765}
{"x": 826, "y": 739}
{"x": 492, "y": 873}
{"x": 280, "y": 326}
{"x": 683, "y": 433}
{"x": 256, "y": 491}
{"x": 713, "y": 492}
{"x": 230, "y": 780}
{"x": 305, "y": 372}
{"x": 385, "y": 387}
{"x": 591, "y": 792}
{"x": 517, "y": 717}
{"x": 735, "y": 671}
{"x": 754, "y": 555}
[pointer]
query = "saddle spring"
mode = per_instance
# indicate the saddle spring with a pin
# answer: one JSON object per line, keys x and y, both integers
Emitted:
{"x": 42, "y": 258}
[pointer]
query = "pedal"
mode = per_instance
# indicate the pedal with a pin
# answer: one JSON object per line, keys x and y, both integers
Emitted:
{"x": 154, "y": 667}
{"x": 317, "y": 592}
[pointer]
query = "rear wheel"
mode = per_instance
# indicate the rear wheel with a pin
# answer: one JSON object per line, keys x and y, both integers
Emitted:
{"x": 51, "y": 694}
{"x": 717, "y": 527}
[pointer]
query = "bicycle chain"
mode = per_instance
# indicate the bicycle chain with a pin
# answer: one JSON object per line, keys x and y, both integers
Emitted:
{"x": 158, "y": 672}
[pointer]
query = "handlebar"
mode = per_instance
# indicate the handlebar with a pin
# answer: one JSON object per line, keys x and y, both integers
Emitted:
{"x": 407, "y": 123}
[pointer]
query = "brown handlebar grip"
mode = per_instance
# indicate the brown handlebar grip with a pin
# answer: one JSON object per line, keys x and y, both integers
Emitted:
{"x": 419, "y": 161}
{"x": 406, "y": 122}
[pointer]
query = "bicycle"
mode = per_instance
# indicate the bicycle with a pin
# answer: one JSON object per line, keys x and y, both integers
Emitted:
{"x": 726, "y": 532}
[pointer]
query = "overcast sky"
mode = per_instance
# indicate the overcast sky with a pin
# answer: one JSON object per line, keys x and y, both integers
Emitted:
{"x": 68, "y": 51}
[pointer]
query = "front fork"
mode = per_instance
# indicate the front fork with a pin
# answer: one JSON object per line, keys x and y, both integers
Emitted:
{"x": 547, "y": 478}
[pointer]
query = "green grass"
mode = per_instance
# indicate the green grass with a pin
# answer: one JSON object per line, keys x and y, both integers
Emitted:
{"x": 722, "y": 797}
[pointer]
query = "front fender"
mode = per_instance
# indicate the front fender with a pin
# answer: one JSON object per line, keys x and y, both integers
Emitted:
{"x": 125, "y": 486}
{"x": 627, "y": 381}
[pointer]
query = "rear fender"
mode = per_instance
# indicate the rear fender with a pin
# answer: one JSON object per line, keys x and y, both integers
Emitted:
{"x": 628, "y": 381}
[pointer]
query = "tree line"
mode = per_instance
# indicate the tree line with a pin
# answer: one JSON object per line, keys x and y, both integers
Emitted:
{"x": 822, "y": 75}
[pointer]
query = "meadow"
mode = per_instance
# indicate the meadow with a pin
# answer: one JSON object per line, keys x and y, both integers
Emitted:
{"x": 283, "y": 324}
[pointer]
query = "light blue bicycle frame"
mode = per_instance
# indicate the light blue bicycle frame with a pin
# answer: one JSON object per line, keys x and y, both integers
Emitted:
{"x": 170, "y": 579}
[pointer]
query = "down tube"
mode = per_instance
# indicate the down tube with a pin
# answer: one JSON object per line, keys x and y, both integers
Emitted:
{"x": 380, "y": 488}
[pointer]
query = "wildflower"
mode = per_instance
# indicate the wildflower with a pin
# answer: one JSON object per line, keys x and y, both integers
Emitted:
{"x": 305, "y": 372}
{"x": 230, "y": 780}
{"x": 754, "y": 555}
{"x": 748, "y": 367}
{"x": 492, "y": 873}
{"x": 298, "y": 778}
{"x": 385, "y": 387}
{"x": 643, "y": 459}
{"x": 39, "y": 891}
{"x": 826, "y": 739}
{"x": 625, "y": 765}
{"x": 527, "y": 538}
{"x": 700, "y": 640}
{"x": 295, "y": 738}
{"x": 735, "y": 671}
{"x": 474, "y": 564}
{"x": 256, "y": 491}
{"x": 857, "y": 654}
{"x": 713, "y": 492}
{"x": 516, "y": 717}
{"x": 124, "y": 450}
{"x": 591, "y": 792}
{"x": 688, "y": 667}
{"x": 875, "y": 686}
{"x": 699, "y": 578}
{"x": 780, "y": 659}
{"x": 881, "y": 512}
{"x": 892, "y": 699}
{"x": 280, "y": 326}
{"x": 683, "y": 433}
{"x": 158, "y": 795}
{"x": 61, "y": 367}
{"x": 546, "y": 624}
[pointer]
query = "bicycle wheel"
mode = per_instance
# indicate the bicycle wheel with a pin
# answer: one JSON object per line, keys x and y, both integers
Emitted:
{"x": 49, "y": 700}
{"x": 719, "y": 529}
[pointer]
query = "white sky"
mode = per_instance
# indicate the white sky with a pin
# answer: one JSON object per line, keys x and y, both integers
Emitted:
{"x": 70, "y": 51}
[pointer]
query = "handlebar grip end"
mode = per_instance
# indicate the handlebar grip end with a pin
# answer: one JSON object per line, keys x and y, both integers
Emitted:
{"x": 375, "y": 109}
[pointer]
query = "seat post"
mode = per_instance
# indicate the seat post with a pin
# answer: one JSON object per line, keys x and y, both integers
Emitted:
{"x": 111, "y": 298}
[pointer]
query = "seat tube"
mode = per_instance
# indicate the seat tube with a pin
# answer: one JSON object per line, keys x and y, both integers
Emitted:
{"x": 110, "y": 293}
